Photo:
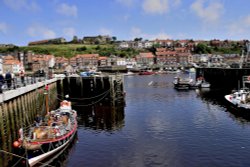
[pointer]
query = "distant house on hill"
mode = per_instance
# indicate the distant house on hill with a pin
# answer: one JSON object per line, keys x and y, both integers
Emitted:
{"x": 37, "y": 62}
{"x": 11, "y": 64}
{"x": 61, "y": 62}
{"x": 102, "y": 61}
{"x": 164, "y": 42}
{"x": 145, "y": 59}
{"x": 87, "y": 60}
{"x": 48, "y": 41}
{"x": 100, "y": 39}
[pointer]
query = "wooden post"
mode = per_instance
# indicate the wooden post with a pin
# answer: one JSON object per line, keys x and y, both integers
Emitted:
{"x": 47, "y": 98}
{"x": 47, "y": 102}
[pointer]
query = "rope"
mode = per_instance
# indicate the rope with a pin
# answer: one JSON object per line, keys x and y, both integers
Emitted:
{"x": 92, "y": 103}
{"x": 87, "y": 98}
{"x": 18, "y": 160}
{"x": 6, "y": 152}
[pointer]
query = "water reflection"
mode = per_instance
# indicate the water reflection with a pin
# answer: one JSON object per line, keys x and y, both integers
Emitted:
{"x": 100, "y": 117}
{"x": 164, "y": 127}
{"x": 60, "y": 159}
{"x": 216, "y": 97}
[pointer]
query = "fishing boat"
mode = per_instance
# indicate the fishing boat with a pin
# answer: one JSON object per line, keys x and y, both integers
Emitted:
{"x": 240, "y": 99}
{"x": 49, "y": 136}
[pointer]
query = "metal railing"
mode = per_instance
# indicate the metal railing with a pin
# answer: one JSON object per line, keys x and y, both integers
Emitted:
{"x": 17, "y": 82}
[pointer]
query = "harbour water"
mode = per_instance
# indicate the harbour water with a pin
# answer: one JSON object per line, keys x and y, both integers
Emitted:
{"x": 165, "y": 127}
{"x": 160, "y": 126}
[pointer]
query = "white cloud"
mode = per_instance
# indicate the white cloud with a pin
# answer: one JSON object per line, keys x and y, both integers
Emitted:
{"x": 240, "y": 27}
{"x": 22, "y": 4}
{"x": 67, "y": 10}
{"x": 126, "y": 2}
{"x": 69, "y": 32}
{"x": 210, "y": 13}
{"x": 105, "y": 31}
{"x": 176, "y": 2}
{"x": 41, "y": 31}
{"x": 3, "y": 28}
{"x": 155, "y": 6}
{"x": 136, "y": 32}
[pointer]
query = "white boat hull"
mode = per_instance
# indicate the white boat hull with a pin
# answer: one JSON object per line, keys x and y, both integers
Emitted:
{"x": 41, "y": 157}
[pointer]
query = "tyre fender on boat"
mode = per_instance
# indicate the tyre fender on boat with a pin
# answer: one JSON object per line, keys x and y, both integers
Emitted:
{"x": 248, "y": 78}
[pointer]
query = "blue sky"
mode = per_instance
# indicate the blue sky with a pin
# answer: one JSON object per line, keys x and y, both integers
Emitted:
{"x": 22, "y": 21}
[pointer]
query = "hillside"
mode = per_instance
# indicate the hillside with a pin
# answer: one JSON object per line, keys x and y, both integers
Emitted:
{"x": 70, "y": 50}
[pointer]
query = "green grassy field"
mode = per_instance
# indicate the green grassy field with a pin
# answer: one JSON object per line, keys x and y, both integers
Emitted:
{"x": 70, "y": 50}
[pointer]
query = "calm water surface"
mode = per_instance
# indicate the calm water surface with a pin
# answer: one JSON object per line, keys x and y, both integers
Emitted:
{"x": 160, "y": 126}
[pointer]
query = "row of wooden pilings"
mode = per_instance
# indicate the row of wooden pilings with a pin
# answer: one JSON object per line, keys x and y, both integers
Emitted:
{"x": 230, "y": 78}
{"x": 92, "y": 90}
{"x": 19, "y": 112}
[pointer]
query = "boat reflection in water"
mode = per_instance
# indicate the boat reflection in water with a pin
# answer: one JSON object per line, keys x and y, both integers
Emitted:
{"x": 98, "y": 117}
{"x": 216, "y": 97}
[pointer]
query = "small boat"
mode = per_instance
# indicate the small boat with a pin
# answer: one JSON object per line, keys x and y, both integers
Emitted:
{"x": 50, "y": 136}
{"x": 173, "y": 71}
{"x": 129, "y": 73}
{"x": 183, "y": 84}
{"x": 202, "y": 83}
{"x": 240, "y": 99}
{"x": 205, "y": 84}
{"x": 146, "y": 72}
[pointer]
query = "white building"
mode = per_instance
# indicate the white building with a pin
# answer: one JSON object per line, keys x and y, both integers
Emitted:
{"x": 124, "y": 45}
{"x": 131, "y": 63}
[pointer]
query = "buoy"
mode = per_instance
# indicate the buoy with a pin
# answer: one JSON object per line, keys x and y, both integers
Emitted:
{"x": 16, "y": 144}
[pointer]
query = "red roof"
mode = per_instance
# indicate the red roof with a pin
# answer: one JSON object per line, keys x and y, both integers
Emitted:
{"x": 102, "y": 58}
{"x": 166, "y": 53}
{"x": 10, "y": 62}
{"x": 87, "y": 56}
{"x": 160, "y": 49}
{"x": 146, "y": 55}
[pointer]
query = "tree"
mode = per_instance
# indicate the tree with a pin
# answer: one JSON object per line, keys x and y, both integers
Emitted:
{"x": 202, "y": 48}
{"x": 138, "y": 39}
{"x": 114, "y": 38}
{"x": 75, "y": 39}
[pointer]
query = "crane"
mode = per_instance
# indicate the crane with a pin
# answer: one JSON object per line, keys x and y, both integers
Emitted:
{"x": 244, "y": 57}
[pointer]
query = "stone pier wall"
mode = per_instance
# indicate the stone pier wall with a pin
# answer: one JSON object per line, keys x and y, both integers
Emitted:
{"x": 18, "y": 109}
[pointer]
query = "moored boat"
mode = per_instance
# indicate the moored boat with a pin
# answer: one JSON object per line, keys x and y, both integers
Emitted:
{"x": 183, "y": 83}
{"x": 240, "y": 99}
{"x": 49, "y": 136}
{"x": 146, "y": 72}
{"x": 202, "y": 83}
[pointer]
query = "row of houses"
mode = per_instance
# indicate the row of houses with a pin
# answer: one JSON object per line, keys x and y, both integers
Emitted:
{"x": 140, "y": 44}
{"x": 163, "y": 57}
{"x": 188, "y": 43}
